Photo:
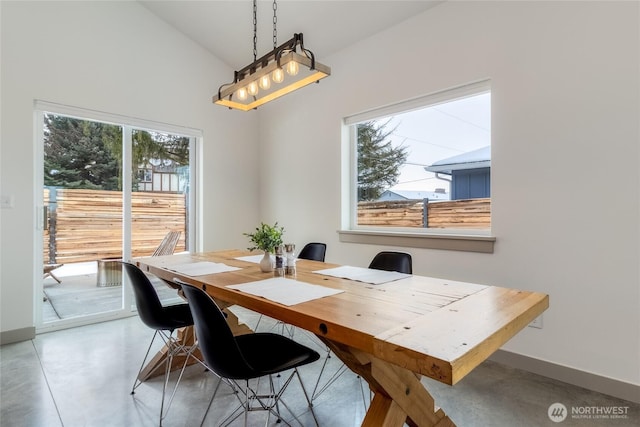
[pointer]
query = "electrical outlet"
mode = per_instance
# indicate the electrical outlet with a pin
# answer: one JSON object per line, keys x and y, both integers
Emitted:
{"x": 537, "y": 322}
{"x": 6, "y": 202}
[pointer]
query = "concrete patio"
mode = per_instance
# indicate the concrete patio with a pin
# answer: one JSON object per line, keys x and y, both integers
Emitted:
{"x": 78, "y": 294}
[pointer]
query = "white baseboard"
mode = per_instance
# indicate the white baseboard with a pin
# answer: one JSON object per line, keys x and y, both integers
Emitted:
{"x": 611, "y": 387}
{"x": 17, "y": 335}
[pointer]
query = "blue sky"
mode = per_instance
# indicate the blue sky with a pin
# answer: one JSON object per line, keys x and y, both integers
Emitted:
{"x": 438, "y": 132}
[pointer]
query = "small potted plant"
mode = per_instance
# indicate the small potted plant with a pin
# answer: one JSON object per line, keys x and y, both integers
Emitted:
{"x": 266, "y": 238}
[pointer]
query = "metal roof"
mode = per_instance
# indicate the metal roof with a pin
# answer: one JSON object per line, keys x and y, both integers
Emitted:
{"x": 476, "y": 159}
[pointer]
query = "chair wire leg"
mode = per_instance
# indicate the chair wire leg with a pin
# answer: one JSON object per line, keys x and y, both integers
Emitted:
{"x": 255, "y": 328}
{"x": 237, "y": 390}
{"x": 364, "y": 399}
{"x": 137, "y": 381}
{"x": 270, "y": 404}
{"x": 177, "y": 350}
{"x": 276, "y": 400}
{"x": 167, "y": 372}
{"x": 306, "y": 396}
{"x": 246, "y": 408}
{"x": 318, "y": 390}
{"x": 211, "y": 401}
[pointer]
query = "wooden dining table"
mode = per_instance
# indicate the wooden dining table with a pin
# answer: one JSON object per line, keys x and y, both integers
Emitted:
{"x": 391, "y": 334}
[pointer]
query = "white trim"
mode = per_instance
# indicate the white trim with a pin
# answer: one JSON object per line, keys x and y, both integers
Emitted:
{"x": 17, "y": 335}
{"x": 194, "y": 240}
{"x": 424, "y": 101}
{"x": 450, "y": 239}
{"x": 73, "y": 322}
{"x": 126, "y": 296}
{"x": 450, "y": 242}
{"x": 38, "y": 202}
{"x": 458, "y": 166}
{"x": 116, "y": 119}
{"x": 128, "y": 124}
{"x": 589, "y": 380}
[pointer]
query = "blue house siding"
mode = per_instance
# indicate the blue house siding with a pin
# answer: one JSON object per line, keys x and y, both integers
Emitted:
{"x": 471, "y": 183}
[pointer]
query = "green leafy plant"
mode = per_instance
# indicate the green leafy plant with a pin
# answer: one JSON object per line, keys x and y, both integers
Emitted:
{"x": 266, "y": 237}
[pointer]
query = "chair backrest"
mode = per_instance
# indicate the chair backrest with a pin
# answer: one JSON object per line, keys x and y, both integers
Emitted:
{"x": 313, "y": 251}
{"x": 168, "y": 244}
{"x": 215, "y": 339}
{"x": 392, "y": 261}
{"x": 147, "y": 300}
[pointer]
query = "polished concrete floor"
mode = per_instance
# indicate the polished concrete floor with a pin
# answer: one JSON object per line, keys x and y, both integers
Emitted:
{"x": 83, "y": 376}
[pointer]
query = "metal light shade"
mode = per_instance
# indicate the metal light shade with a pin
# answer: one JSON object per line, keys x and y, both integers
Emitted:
{"x": 309, "y": 71}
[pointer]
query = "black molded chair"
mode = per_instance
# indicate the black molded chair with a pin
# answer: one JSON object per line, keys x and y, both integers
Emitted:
{"x": 164, "y": 320}
{"x": 313, "y": 251}
{"x": 245, "y": 357}
{"x": 392, "y": 261}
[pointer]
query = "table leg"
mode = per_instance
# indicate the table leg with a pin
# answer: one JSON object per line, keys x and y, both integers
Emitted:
{"x": 155, "y": 367}
{"x": 405, "y": 388}
{"x": 399, "y": 395}
{"x": 384, "y": 412}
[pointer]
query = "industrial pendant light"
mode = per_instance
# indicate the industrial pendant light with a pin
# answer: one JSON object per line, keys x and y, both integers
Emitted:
{"x": 286, "y": 68}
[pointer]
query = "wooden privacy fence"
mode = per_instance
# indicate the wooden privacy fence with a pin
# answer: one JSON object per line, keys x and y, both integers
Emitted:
{"x": 469, "y": 214}
{"x": 86, "y": 225}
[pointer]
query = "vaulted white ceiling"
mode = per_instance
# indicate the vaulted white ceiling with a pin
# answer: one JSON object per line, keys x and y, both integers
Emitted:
{"x": 225, "y": 28}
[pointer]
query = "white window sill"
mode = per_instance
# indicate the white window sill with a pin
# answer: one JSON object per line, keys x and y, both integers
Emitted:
{"x": 451, "y": 242}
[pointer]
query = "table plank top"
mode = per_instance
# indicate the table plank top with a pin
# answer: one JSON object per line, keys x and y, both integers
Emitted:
{"x": 435, "y": 327}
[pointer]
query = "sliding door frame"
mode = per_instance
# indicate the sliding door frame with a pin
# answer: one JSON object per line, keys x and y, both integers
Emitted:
{"x": 128, "y": 125}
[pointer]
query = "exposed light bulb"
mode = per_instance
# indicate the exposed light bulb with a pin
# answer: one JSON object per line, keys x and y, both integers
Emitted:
{"x": 277, "y": 75}
{"x": 241, "y": 94}
{"x": 252, "y": 88}
{"x": 265, "y": 82}
{"x": 292, "y": 68}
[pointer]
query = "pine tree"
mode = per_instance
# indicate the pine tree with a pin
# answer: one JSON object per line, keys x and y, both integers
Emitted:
{"x": 378, "y": 161}
{"x": 85, "y": 154}
{"x": 79, "y": 153}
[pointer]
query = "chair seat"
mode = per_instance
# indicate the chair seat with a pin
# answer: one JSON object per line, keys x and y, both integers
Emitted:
{"x": 245, "y": 357}
{"x": 289, "y": 355}
{"x": 173, "y": 317}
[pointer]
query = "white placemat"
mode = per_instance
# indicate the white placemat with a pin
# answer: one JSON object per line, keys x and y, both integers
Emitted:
{"x": 285, "y": 291}
{"x": 361, "y": 274}
{"x": 201, "y": 268}
{"x": 253, "y": 258}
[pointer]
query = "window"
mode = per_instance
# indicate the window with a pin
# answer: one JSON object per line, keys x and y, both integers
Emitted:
{"x": 423, "y": 167}
{"x": 144, "y": 175}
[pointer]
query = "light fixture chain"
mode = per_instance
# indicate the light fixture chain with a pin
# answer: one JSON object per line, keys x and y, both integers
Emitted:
{"x": 275, "y": 22}
{"x": 255, "y": 30}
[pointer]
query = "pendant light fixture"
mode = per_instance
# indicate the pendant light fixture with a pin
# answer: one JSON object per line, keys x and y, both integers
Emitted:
{"x": 286, "y": 68}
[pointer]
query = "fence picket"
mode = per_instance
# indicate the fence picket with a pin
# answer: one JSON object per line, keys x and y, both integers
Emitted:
{"x": 469, "y": 214}
{"x": 88, "y": 223}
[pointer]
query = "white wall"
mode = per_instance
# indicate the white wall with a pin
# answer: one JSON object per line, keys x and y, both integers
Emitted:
{"x": 565, "y": 153}
{"x": 565, "y": 160}
{"x": 113, "y": 57}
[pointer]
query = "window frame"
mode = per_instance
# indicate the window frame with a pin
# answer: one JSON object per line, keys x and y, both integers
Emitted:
{"x": 471, "y": 240}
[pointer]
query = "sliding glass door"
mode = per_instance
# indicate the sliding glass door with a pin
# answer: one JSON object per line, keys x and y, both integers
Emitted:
{"x": 111, "y": 191}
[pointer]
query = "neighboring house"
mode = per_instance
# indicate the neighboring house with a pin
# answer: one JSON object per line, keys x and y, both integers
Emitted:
{"x": 470, "y": 173}
{"x": 439, "y": 194}
{"x": 160, "y": 176}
